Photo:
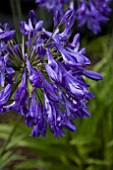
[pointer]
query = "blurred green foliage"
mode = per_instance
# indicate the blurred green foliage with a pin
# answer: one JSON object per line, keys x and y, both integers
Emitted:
{"x": 90, "y": 148}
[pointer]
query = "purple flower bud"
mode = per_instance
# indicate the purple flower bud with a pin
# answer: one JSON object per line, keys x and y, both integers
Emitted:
{"x": 53, "y": 69}
{"x": 4, "y": 68}
{"x": 33, "y": 111}
{"x": 5, "y": 94}
{"x": 5, "y": 36}
{"x": 40, "y": 127}
{"x": 92, "y": 75}
{"x": 21, "y": 96}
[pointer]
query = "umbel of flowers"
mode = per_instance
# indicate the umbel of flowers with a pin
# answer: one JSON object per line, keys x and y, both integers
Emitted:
{"x": 88, "y": 12}
{"x": 42, "y": 78}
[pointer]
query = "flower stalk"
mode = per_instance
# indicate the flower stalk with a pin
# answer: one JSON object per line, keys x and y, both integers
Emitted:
{"x": 4, "y": 147}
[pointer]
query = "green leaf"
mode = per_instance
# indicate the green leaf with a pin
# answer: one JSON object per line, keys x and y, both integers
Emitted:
{"x": 32, "y": 163}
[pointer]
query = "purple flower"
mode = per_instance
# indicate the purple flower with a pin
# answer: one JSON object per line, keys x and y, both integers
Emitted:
{"x": 21, "y": 96}
{"x": 53, "y": 69}
{"x": 103, "y": 6}
{"x": 5, "y": 33}
{"x": 38, "y": 81}
{"x": 4, "y": 68}
{"x": 68, "y": 19}
{"x": 57, "y": 7}
{"x": 73, "y": 85}
{"x": 4, "y": 96}
{"x": 41, "y": 52}
{"x": 32, "y": 26}
{"x": 92, "y": 75}
{"x": 33, "y": 111}
{"x": 52, "y": 5}
{"x": 56, "y": 118}
{"x": 40, "y": 127}
{"x": 92, "y": 13}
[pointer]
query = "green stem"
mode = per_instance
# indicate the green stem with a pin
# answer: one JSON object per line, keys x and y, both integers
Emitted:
{"x": 19, "y": 10}
{"x": 13, "y": 13}
{"x": 42, "y": 16}
{"x": 23, "y": 47}
{"x": 16, "y": 14}
{"x": 4, "y": 148}
{"x": 46, "y": 44}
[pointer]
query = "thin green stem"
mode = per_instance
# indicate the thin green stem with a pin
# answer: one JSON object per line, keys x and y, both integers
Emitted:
{"x": 14, "y": 54}
{"x": 4, "y": 148}
{"x": 23, "y": 47}
{"x": 42, "y": 16}
{"x": 14, "y": 15}
{"x": 19, "y": 10}
{"x": 30, "y": 49}
{"x": 46, "y": 44}
{"x": 13, "y": 12}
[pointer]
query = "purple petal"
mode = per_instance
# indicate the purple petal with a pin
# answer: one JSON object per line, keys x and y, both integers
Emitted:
{"x": 7, "y": 35}
{"x": 5, "y": 94}
{"x": 92, "y": 75}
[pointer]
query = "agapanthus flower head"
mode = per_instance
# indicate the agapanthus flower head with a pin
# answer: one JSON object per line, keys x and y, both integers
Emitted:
{"x": 93, "y": 13}
{"x": 48, "y": 73}
{"x": 89, "y": 12}
{"x": 103, "y": 6}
